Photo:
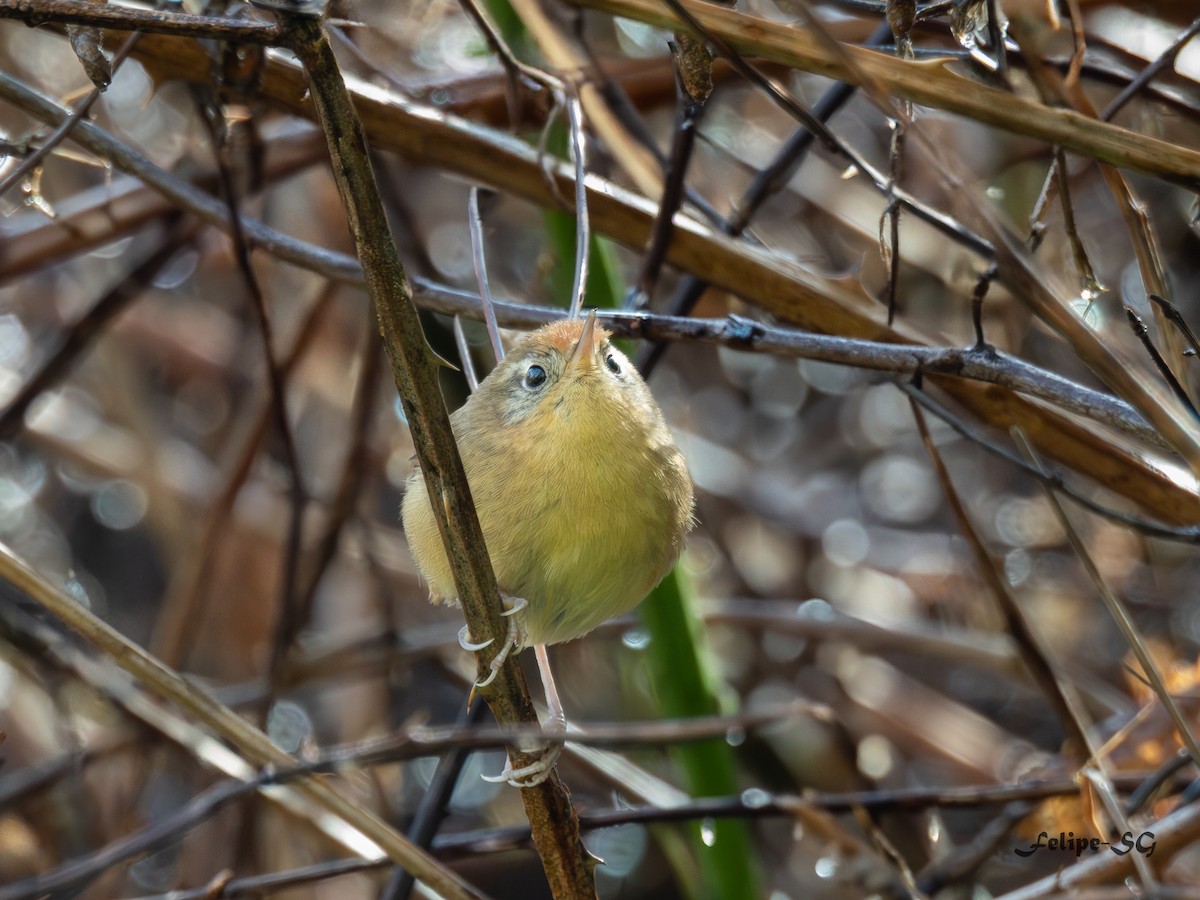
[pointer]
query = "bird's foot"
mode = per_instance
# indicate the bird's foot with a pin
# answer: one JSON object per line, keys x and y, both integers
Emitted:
{"x": 546, "y": 756}
{"x": 514, "y": 639}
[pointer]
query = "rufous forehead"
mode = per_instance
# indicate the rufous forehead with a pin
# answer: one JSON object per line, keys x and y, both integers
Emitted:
{"x": 563, "y": 335}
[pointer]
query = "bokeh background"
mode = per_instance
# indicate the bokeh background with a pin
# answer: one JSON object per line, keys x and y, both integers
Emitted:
{"x": 147, "y": 475}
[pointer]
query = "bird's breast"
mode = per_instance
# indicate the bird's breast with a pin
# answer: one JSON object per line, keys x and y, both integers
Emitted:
{"x": 583, "y": 525}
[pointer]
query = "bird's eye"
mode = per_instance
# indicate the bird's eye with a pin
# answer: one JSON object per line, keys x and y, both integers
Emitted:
{"x": 535, "y": 377}
{"x": 613, "y": 365}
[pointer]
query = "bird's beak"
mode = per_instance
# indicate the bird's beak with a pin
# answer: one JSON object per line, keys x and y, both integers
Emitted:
{"x": 587, "y": 342}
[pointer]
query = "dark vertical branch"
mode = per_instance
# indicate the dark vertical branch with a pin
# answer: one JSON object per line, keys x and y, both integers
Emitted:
{"x": 769, "y": 181}
{"x": 1143, "y": 335}
{"x": 182, "y": 608}
{"x": 691, "y": 110}
{"x": 891, "y": 216}
{"x": 995, "y": 32}
{"x": 434, "y": 803}
{"x": 354, "y": 470}
{"x": 981, "y": 289}
{"x": 289, "y": 621}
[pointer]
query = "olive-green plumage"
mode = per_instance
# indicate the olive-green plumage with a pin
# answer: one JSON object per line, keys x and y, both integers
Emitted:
{"x": 583, "y": 496}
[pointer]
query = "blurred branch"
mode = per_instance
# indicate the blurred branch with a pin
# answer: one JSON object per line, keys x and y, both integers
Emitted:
{"x": 993, "y": 652}
{"x": 354, "y": 470}
{"x": 775, "y": 289}
{"x": 435, "y": 801}
{"x": 179, "y": 192}
{"x": 421, "y": 740}
{"x": 346, "y": 821}
{"x": 290, "y": 616}
{"x": 756, "y": 803}
{"x": 882, "y": 182}
{"x": 929, "y": 84}
{"x": 1067, "y": 92}
{"x": 1121, "y": 617}
{"x": 59, "y": 134}
{"x": 418, "y": 741}
{"x": 1172, "y": 833}
{"x": 148, "y": 21}
{"x": 1188, "y": 533}
{"x": 790, "y": 291}
{"x": 178, "y": 616}
{"x": 1014, "y": 264}
{"x": 981, "y": 364}
{"x": 564, "y": 57}
{"x": 76, "y": 873}
{"x": 753, "y": 804}
{"x": 261, "y": 885}
{"x": 1144, "y": 78}
{"x": 785, "y": 289}
{"x": 767, "y": 182}
{"x": 1030, "y": 645}
{"x": 80, "y": 335}
{"x": 963, "y": 862}
{"x": 108, "y": 212}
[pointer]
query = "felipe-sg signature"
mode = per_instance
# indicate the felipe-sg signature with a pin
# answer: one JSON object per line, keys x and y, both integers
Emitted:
{"x": 1143, "y": 843}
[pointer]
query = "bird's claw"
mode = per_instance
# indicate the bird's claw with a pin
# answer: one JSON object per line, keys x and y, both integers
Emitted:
{"x": 539, "y": 770}
{"x": 513, "y": 605}
{"x": 531, "y": 775}
{"x": 513, "y": 640}
{"x": 464, "y": 641}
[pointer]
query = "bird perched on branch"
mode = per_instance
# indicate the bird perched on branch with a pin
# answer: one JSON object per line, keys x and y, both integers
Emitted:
{"x": 582, "y": 494}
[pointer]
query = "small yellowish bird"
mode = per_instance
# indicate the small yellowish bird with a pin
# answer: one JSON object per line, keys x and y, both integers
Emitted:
{"x": 583, "y": 496}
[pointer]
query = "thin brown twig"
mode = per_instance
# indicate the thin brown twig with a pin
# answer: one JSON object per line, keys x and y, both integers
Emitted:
{"x": 178, "y": 619}
{"x": 1121, "y": 617}
{"x": 63, "y": 129}
{"x": 1090, "y": 286}
{"x": 937, "y": 87}
{"x": 288, "y": 618}
{"x": 354, "y": 471}
{"x": 1189, "y": 533}
{"x": 1029, "y": 645}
